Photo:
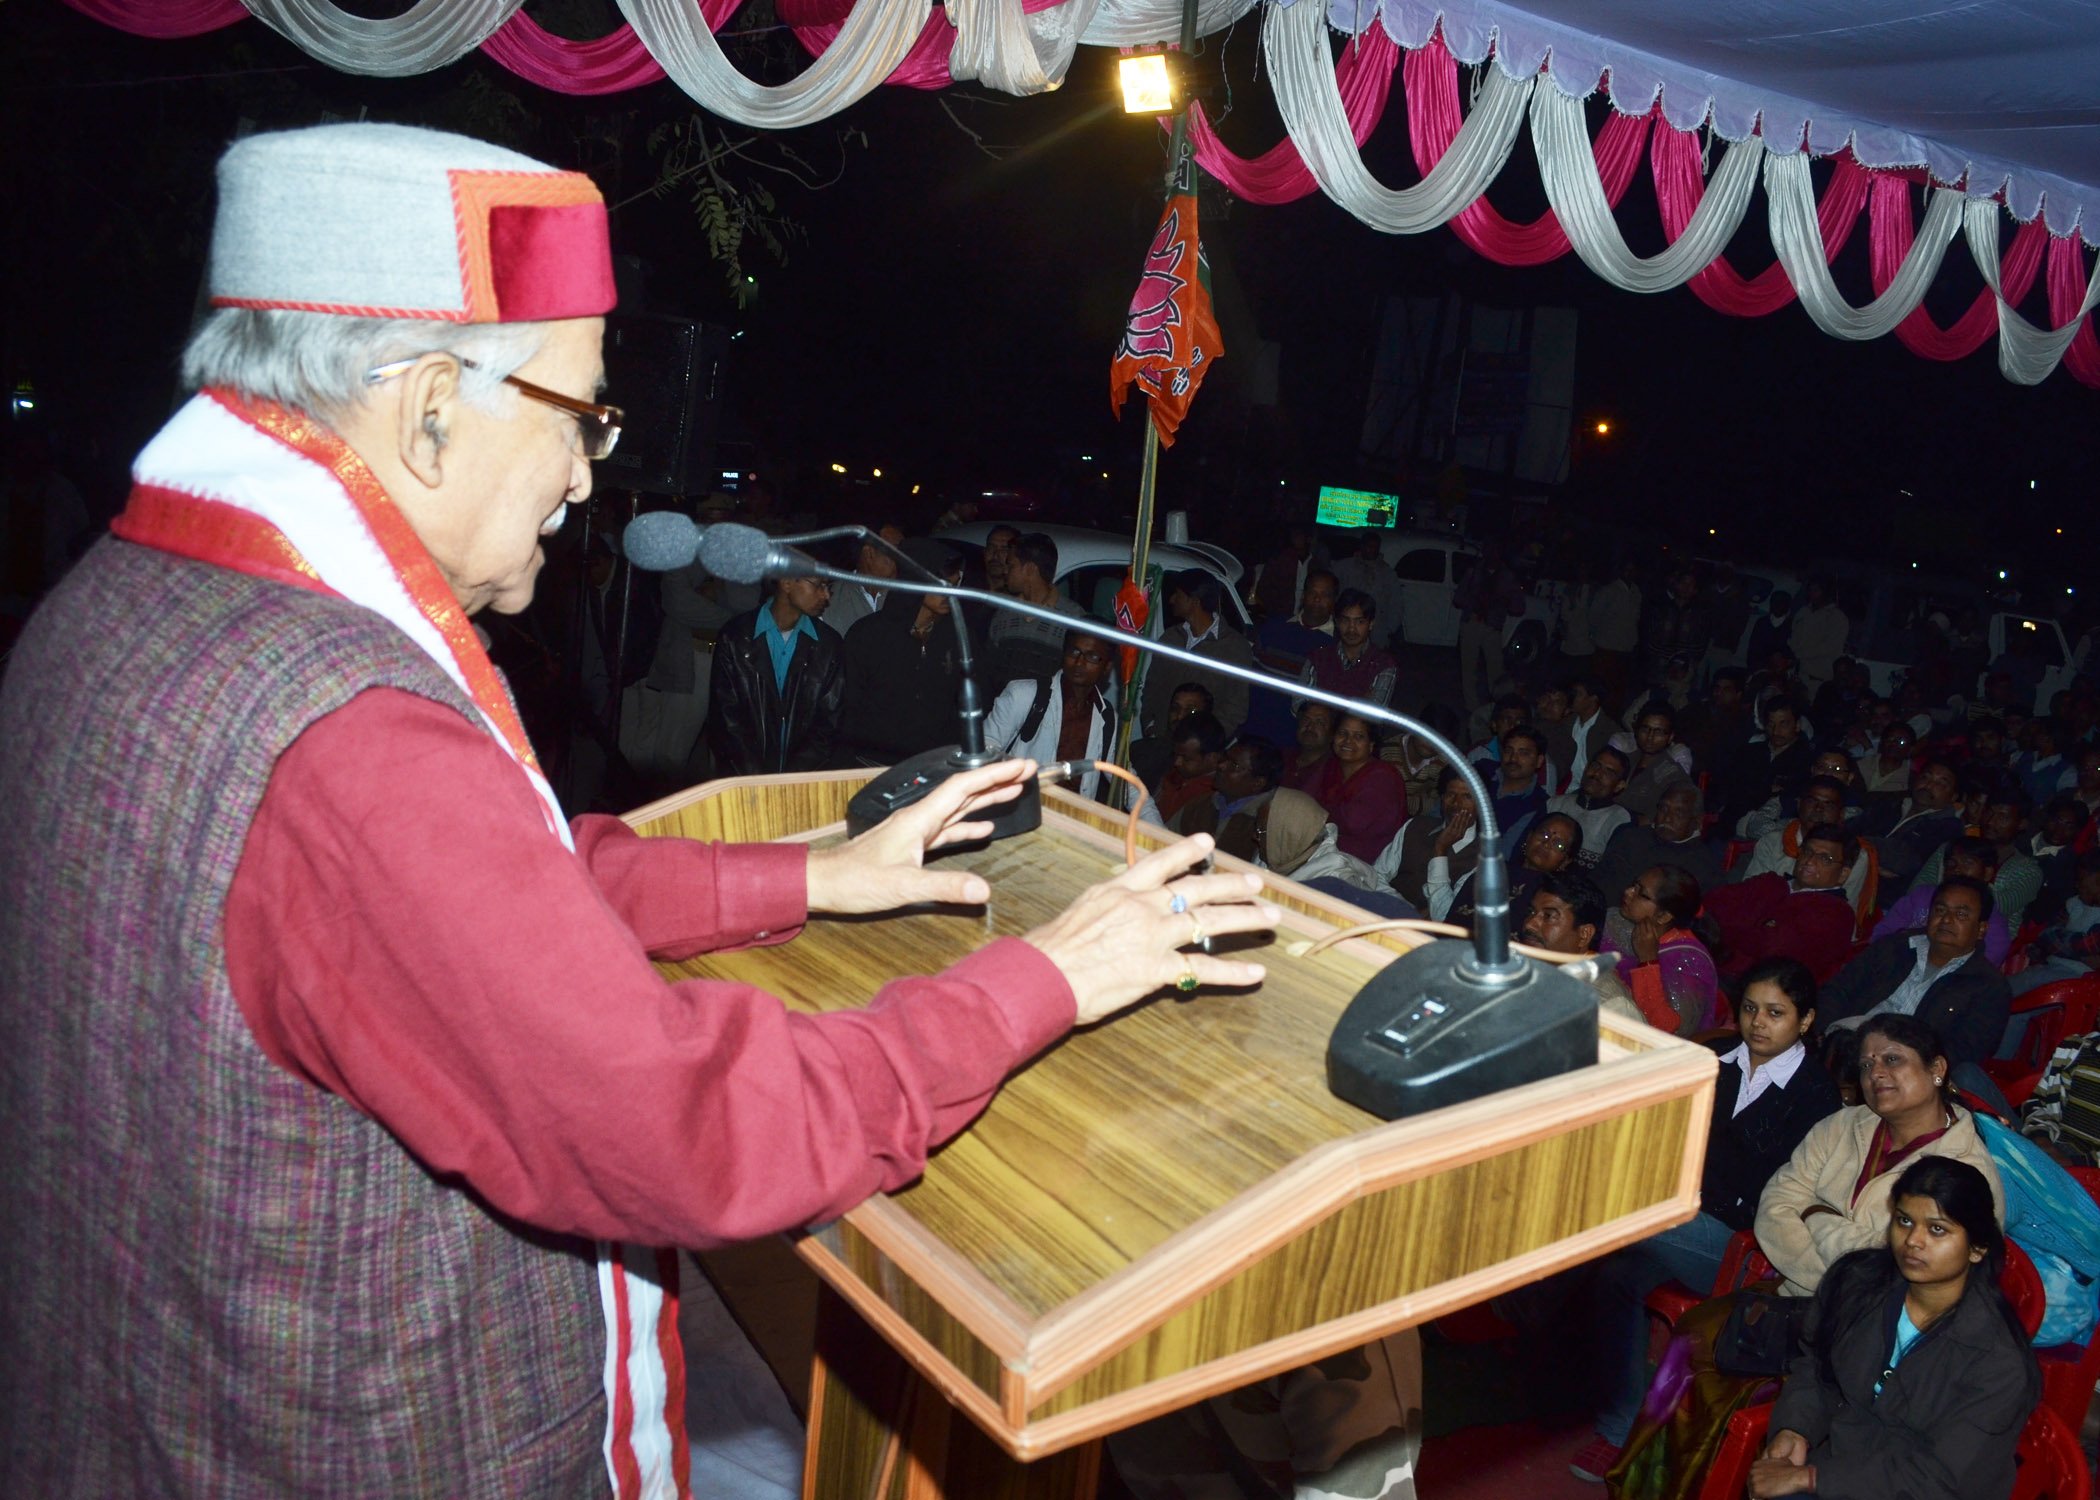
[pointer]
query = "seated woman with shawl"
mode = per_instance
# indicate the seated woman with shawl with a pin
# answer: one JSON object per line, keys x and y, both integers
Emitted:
{"x": 1915, "y": 1375}
{"x": 1654, "y": 939}
{"x": 1293, "y": 837}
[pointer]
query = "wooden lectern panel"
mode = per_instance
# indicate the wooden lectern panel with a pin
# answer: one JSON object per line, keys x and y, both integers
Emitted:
{"x": 1173, "y": 1204}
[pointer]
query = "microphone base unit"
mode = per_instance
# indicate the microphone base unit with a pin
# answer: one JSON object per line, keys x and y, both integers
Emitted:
{"x": 1426, "y": 1032}
{"x": 910, "y": 781}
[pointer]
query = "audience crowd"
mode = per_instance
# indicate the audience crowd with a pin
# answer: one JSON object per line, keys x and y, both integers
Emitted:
{"x": 1840, "y": 892}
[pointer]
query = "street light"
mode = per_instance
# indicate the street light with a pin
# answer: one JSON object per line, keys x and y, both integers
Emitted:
{"x": 1604, "y": 429}
{"x": 1148, "y": 83}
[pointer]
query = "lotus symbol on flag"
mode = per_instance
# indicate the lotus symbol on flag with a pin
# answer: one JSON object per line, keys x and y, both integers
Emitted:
{"x": 1170, "y": 337}
{"x": 1154, "y": 313}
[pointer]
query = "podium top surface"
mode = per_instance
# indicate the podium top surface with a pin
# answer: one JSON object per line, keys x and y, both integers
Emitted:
{"x": 1171, "y": 1202}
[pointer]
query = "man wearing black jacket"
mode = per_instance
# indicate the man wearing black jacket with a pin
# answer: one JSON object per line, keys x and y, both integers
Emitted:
{"x": 904, "y": 670}
{"x": 779, "y": 686}
{"x": 1939, "y": 975}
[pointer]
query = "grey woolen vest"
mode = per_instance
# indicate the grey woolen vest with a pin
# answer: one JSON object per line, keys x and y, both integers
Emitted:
{"x": 216, "y": 1278}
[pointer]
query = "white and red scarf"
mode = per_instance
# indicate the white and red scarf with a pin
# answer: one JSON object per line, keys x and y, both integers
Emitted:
{"x": 270, "y": 492}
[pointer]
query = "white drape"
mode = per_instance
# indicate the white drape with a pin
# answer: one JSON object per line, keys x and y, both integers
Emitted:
{"x": 1133, "y": 23}
{"x": 875, "y": 38}
{"x": 1301, "y": 70}
{"x": 2026, "y": 354}
{"x": 1799, "y": 245}
{"x": 1001, "y": 47}
{"x": 1568, "y": 164}
{"x": 431, "y": 34}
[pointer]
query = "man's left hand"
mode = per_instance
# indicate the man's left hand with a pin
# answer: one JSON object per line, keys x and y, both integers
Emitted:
{"x": 885, "y": 867}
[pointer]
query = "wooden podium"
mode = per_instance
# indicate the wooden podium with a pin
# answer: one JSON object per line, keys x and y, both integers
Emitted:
{"x": 1169, "y": 1205}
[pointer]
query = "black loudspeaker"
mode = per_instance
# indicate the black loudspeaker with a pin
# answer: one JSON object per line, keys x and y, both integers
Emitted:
{"x": 666, "y": 375}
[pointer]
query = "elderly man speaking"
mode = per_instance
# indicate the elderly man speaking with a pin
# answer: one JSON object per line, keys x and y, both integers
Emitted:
{"x": 341, "y": 1107}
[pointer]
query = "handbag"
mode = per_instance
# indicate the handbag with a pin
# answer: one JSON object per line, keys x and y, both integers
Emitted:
{"x": 1762, "y": 1334}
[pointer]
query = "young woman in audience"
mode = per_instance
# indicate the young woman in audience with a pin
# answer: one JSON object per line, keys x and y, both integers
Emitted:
{"x": 1915, "y": 1375}
{"x": 1770, "y": 1091}
{"x": 1654, "y": 939}
{"x": 1365, "y": 796}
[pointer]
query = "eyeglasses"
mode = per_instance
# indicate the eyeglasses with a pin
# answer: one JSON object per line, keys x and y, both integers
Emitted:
{"x": 1075, "y": 653}
{"x": 598, "y": 427}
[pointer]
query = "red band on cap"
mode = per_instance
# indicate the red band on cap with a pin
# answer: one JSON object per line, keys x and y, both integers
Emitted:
{"x": 550, "y": 261}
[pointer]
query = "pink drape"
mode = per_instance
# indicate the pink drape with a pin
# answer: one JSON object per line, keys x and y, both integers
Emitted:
{"x": 1431, "y": 83}
{"x": 163, "y": 19}
{"x": 1673, "y": 156}
{"x": 613, "y": 62}
{"x": 817, "y": 23}
{"x": 1890, "y": 241}
{"x": 2067, "y": 278}
{"x": 1364, "y": 73}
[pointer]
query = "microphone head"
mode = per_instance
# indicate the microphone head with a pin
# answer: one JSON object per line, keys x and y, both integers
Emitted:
{"x": 736, "y": 553}
{"x": 660, "y": 541}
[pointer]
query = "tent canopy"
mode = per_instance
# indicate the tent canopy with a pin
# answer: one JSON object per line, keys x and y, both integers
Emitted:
{"x": 1991, "y": 102}
{"x": 1993, "y": 96}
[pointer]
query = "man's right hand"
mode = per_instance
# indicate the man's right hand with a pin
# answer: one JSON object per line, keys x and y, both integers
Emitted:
{"x": 1455, "y": 828}
{"x": 1122, "y": 939}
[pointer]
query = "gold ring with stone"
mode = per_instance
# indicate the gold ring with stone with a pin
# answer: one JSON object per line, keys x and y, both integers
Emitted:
{"x": 1188, "y": 981}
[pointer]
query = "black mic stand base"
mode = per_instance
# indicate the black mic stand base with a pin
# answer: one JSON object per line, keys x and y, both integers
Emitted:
{"x": 1431, "y": 1030}
{"x": 910, "y": 780}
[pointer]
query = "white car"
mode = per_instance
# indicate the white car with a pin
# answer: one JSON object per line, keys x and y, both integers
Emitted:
{"x": 1430, "y": 566}
{"x": 1091, "y": 565}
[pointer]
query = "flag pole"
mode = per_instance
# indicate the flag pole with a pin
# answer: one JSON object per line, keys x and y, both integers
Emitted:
{"x": 1181, "y": 177}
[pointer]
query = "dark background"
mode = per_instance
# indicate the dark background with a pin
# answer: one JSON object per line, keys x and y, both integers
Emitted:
{"x": 953, "y": 288}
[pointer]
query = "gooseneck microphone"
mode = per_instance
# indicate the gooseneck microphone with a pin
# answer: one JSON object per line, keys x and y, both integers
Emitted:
{"x": 1439, "y": 1025}
{"x": 744, "y": 554}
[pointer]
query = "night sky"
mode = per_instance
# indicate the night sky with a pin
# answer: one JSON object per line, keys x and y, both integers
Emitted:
{"x": 949, "y": 314}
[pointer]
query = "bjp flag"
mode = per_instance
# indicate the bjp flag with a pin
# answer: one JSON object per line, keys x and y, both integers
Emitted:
{"x": 1170, "y": 339}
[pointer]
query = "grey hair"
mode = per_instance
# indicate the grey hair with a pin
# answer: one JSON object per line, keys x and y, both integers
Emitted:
{"x": 316, "y": 362}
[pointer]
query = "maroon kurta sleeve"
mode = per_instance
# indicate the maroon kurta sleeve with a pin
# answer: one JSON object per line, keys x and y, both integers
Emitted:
{"x": 405, "y": 932}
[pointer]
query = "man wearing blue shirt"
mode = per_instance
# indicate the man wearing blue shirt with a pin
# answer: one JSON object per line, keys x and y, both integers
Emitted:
{"x": 778, "y": 689}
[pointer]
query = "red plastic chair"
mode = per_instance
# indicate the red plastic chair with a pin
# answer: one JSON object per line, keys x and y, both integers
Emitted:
{"x": 2017, "y": 1075}
{"x": 2050, "y": 1463}
{"x": 2051, "y": 1459}
{"x": 2022, "y": 1285}
{"x": 1741, "y": 1263}
{"x": 1733, "y": 854}
{"x": 1728, "y": 1477}
{"x": 2080, "y": 999}
{"x": 2061, "y": 1008}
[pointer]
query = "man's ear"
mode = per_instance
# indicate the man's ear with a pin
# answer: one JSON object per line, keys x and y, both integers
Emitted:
{"x": 1587, "y": 933}
{"x": 423, "y": 423}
